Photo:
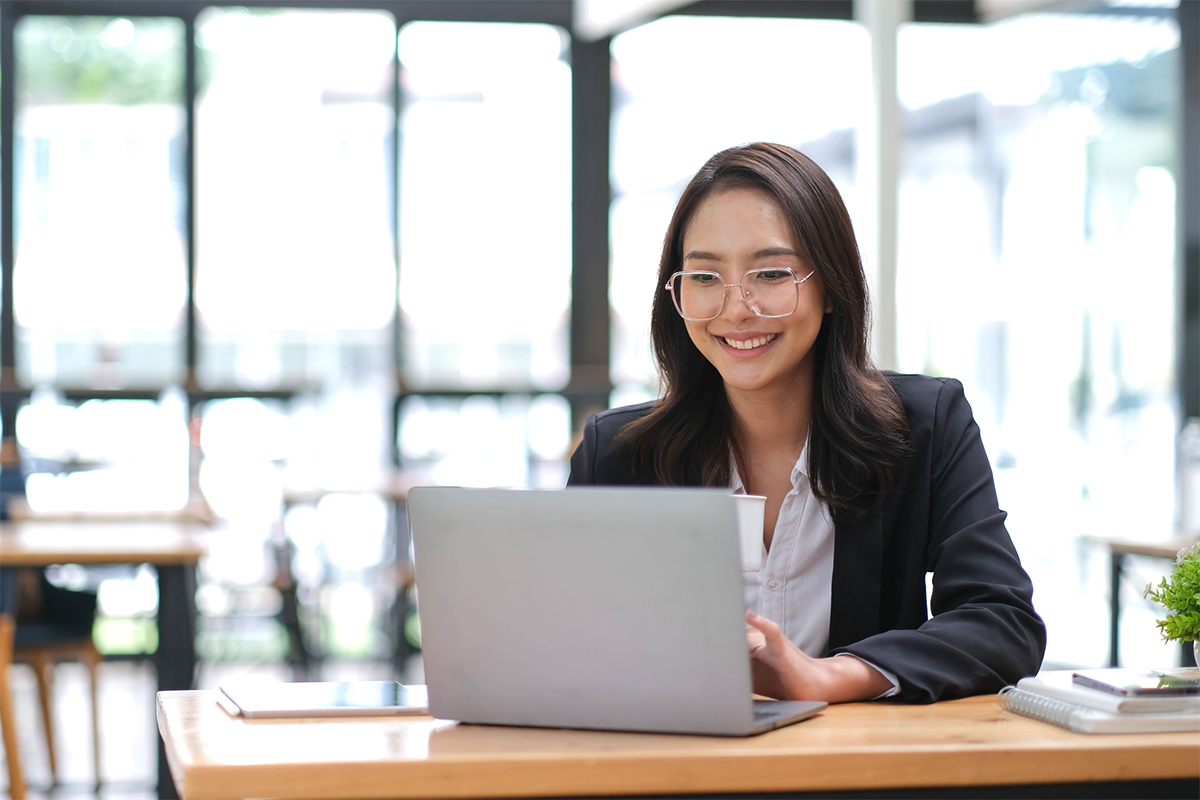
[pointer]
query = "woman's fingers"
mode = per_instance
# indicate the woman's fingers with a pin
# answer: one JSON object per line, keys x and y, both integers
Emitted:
{"x": 778, "y": 667}
{"x": 765, "y": 626}
{"x": 772, "y": 638}
{"x": 755, "y": 640}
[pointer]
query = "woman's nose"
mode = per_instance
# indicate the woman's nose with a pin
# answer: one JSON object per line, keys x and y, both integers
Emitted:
{"x": 738, "y": 303}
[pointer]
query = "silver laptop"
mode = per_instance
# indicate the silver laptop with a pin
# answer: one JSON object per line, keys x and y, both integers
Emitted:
{"x": 605, "y": 608}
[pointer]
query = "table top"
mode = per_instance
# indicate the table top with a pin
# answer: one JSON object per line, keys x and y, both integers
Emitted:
{"x": 196, "y": 511}
{"x": 38, "y": 544}
{"x": 1167, "y": 548}
{"x": 854, "y": 746}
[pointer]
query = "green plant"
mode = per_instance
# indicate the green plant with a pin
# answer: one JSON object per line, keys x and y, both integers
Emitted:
{"x": 1180, "y": 593}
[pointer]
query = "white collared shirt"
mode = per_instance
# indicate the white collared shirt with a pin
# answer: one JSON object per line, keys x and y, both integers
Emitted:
{"x": 794, "y": 585}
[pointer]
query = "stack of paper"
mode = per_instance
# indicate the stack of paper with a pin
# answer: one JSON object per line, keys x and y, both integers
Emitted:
{"x": 1053, "y": 697}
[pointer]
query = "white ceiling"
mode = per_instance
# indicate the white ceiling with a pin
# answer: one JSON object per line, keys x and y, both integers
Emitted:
{"x": 595, "y": 19}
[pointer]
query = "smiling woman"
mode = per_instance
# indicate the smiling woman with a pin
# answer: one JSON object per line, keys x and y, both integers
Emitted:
{"x": 762, "y": 340}
{"x": 871, "y": 479}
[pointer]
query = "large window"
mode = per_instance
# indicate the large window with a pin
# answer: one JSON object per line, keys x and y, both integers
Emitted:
{"x": 100, "y": 273}
{"x": 295, "y": 261}
{"x": 485, "y": 186}
{"x": 368, "y": 212}
{"x": 376, "y": 216}
{"x": 485, "y": 251}
{"x": 1036, "y": 264}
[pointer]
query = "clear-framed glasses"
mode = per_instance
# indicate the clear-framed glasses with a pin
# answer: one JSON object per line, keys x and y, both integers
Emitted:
{"x": 700, "y": 295}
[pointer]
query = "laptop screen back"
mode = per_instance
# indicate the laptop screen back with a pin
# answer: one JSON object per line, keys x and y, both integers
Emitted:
{"x": 593, "y": 608}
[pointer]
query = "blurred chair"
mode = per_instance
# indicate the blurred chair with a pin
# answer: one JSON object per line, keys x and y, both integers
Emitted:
{"x": 16, "y": 783}
{"x": 392, "y": 488}
{"x": 302, "y": 656}
{"x": 53, "y": 625}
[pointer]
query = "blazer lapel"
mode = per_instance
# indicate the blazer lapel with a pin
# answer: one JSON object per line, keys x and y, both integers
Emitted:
{"x": 857, "y": 577}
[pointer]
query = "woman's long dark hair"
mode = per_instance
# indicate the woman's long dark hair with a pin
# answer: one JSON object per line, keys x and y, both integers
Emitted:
{"x": 858, "y": 434}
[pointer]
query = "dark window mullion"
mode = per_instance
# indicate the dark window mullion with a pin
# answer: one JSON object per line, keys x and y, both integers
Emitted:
{"x": 189, "y": 201}
{"x": 1188, "y": 213}
{"x": 397, "y": 323}
{"x": 591, "y": 198}
{"x": 9, "y": 398}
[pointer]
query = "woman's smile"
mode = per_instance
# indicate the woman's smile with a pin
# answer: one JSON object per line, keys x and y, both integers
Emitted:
{"x": 748, "y": 343}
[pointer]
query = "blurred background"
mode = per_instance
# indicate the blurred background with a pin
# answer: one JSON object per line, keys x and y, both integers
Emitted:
{"x": 273, "y": 265}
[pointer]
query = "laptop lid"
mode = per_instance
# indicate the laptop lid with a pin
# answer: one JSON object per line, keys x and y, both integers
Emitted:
{"x": 584, "y": 608}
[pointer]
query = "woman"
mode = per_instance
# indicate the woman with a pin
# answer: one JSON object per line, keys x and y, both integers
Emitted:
{"x": 872, "y": 479}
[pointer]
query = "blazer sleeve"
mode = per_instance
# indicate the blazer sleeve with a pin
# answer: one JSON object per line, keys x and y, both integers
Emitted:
{"x": 983, "y": 632}
{"x": 583, "y": 460}
{"x": 598, "y": 460}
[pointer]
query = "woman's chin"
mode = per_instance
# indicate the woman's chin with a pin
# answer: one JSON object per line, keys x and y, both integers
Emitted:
{"x": 746, "y": 380}
{"x": 762, "y": 379}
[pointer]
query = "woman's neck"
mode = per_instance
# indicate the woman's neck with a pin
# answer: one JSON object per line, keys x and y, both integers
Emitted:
{"x": 771, "y": 422}
{"x": 770, "y": 429}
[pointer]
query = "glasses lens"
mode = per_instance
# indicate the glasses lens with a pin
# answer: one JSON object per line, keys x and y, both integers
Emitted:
{"x": 698, "y": 295}
{"x": 771, "y": 292}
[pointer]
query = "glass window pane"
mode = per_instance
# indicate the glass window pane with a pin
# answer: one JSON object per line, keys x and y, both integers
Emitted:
{"x": 685, "y": 88}
{"x": 485, "y": 211}
{"x": 1036, "y": 264}
{"x": 104, "y": 455}
{"x": 100, "y": 275}
{"x": 295, "y": 270}
{"x": 511, "y": 440}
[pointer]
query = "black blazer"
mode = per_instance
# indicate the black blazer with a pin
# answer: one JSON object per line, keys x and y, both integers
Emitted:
{"x": 946, "y": 520}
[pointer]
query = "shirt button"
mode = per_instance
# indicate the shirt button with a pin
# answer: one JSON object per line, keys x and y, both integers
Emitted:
{"x": 772, "y": 585}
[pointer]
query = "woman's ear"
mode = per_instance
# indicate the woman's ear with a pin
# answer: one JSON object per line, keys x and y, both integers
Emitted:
{"x": 828, "y": 300}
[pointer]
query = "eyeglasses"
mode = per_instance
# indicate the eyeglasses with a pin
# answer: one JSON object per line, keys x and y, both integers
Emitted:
{"x": 700, "y": 296}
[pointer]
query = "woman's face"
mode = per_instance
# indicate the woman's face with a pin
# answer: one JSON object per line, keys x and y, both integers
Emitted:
{"x": 731, "y": 232}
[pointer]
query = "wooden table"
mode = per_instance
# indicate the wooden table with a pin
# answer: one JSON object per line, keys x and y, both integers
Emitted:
{"x": 955, "y": 745}
{"x": 172, "y": 548}
{"x": 1118, "y": 551}
{"x": 195, "y": 511}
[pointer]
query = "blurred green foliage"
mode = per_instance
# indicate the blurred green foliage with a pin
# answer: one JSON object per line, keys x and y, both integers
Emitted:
{"x": 71, "y": 60}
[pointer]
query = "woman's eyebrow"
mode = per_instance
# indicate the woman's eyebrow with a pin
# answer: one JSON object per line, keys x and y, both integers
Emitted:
{"x": 767, "y": 252}
{"x": 776, "y": 251}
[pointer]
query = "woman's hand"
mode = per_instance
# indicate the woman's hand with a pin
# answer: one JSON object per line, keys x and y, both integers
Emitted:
{"x": 782, "y": 670}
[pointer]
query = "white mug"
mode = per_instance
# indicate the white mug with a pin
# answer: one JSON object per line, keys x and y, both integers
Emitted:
{"x": 750, "y": 510}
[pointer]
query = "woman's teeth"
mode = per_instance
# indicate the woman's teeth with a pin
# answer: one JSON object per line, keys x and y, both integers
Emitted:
{"x": 750, "y": 344}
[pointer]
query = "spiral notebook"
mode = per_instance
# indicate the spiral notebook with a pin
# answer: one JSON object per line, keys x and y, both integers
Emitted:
{"x": 1051, "y": 697}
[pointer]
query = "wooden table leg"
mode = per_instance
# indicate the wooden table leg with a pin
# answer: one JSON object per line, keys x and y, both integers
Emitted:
{"x": 1187, "y": 655}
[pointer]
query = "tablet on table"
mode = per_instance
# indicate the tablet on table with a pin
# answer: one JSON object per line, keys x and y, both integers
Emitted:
{"x": 323, "y": 699}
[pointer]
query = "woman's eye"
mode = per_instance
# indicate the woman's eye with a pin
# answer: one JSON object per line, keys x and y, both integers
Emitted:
{"x": 773, "y": 275}
{"x": 702, "y": 279}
